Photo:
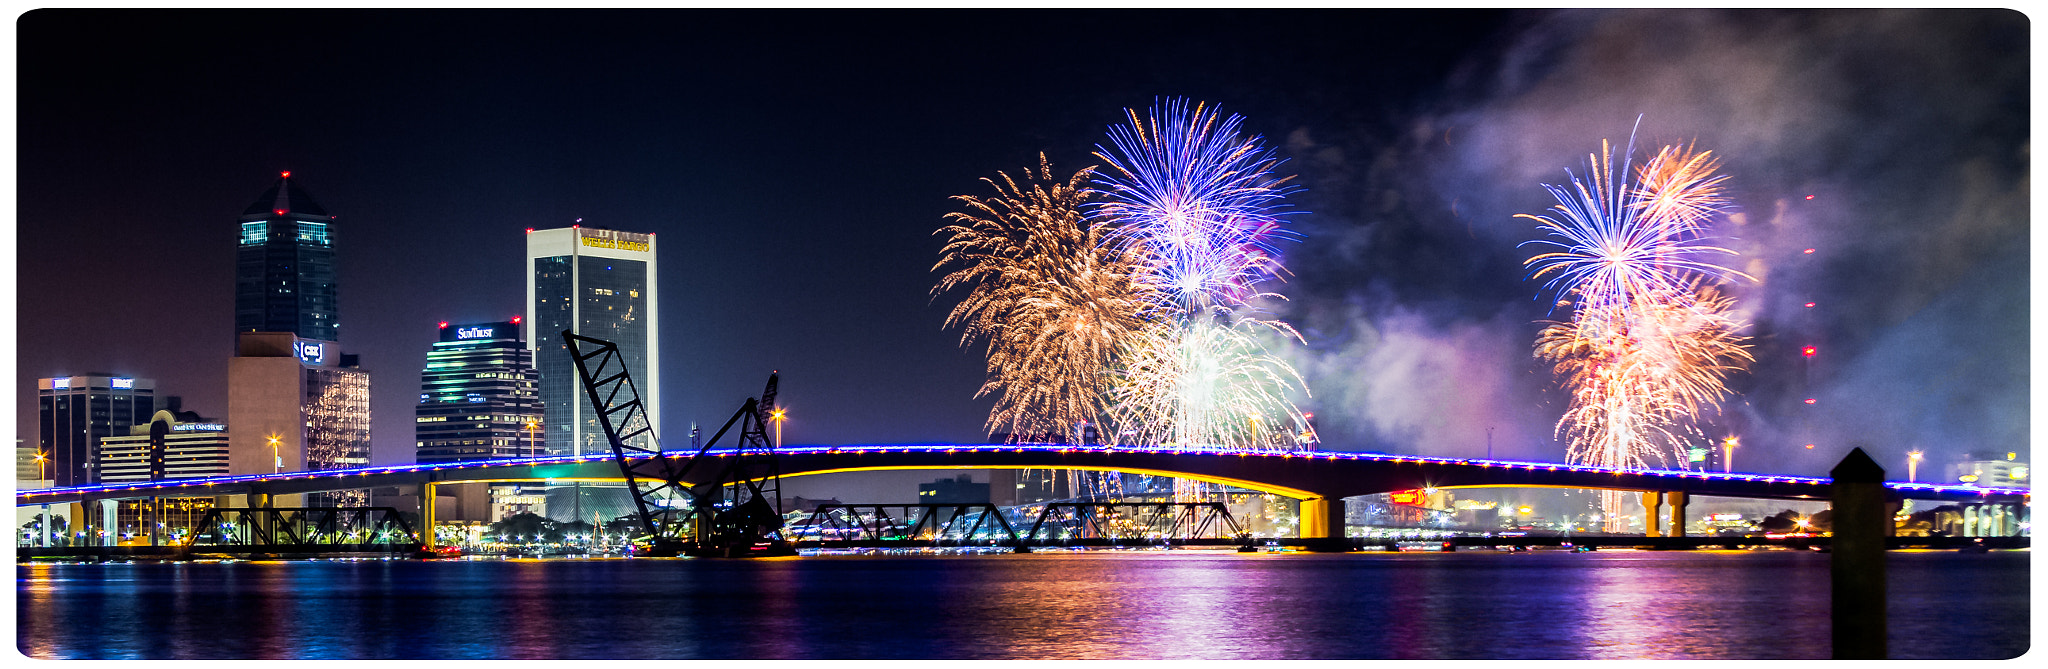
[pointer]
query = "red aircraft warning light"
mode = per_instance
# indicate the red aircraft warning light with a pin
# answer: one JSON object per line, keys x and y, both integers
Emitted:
{"x": 1809, "y": 305}
{"x": 444, "y": 325}
{"x": 515, "y": 319}
{"x": 287, "y": 174}
{"x": 1810, "y": 400}
{"x": 1808, "y": 351}
{"x": 1808, "y": 252}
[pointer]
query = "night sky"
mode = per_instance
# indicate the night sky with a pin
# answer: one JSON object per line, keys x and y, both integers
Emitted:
{"x": 794, "y": 165}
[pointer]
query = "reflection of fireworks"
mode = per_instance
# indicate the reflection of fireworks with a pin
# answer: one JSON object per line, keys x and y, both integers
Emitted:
{"x": 1651, "y": 342}
{"x": 1195, "y": 200}
{"x": 1052, "y": 302}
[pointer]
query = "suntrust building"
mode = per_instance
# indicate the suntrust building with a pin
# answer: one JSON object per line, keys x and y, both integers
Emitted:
{"x": 597, "y": 283}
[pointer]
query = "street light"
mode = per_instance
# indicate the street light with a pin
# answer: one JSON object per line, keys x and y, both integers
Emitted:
{"x": 276, "y": 461}
{"x": 42, "y": 464}
{"x": 1913, "y": 465}
{"x": 778, "y": 415}
{"x": 1728, "y": 453}
{"x": 532, "y": 424}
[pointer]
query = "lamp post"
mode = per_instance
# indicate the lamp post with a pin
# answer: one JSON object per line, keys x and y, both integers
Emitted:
{"x": 778, "y": 415}
{"x": 42, "y": 465}
{"x": 1728, "y": 453}
{"x": 533, "y": 448}
{"x": 1913, "y": 465}
{"x": 276, "y": 461}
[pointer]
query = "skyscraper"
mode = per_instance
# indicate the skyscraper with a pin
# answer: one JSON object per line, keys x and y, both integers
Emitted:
{"x": 79, "y": 411}
{"x": 284, "y": 265}
{"x": 479, "y": 395}
{"x": 597, "y": 283}
{"x": 297, "y": 404}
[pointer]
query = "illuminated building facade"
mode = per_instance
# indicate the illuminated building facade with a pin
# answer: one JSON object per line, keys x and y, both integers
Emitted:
{"x": 596, "y": 283}
{"x": 284, "y": 265}
{"x": 170, "y": 446}
{"x": 78, "y": 412}
{"x": 1986, "y": 469}
{"x": 479, "y": 395}
{"x": 297, "y": 404}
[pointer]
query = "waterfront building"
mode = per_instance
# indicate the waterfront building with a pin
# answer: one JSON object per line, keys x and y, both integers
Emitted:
{"x": 1990, "y": 469}
{"x": 297, "y": 404}
{"x": 479, "y": 395}
{"x": 77, "y": 412}
{"x": 284, "y": 265}
{"x": 172, "y": 445}
{"x": 597, "y": 283}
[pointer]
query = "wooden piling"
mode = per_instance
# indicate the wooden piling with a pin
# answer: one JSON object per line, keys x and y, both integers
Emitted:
{"x": 1857, "y": 558}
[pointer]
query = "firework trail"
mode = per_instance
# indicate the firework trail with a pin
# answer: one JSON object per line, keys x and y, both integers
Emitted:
{"x": 1194, "y": 198}
{"x": 1051, "y": 301}
{"x": 1651, "y": 340}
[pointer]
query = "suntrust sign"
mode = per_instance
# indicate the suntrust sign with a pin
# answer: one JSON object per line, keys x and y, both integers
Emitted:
{"x": 473, "y": 333}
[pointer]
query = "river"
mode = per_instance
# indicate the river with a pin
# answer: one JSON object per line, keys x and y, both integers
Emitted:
{"x": 1096, "y": 605}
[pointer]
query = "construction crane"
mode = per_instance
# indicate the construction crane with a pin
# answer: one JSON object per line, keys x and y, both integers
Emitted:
{"x": 724, "y": 505}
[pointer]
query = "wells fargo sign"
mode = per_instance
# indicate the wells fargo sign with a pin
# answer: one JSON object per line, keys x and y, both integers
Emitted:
{"x": 614, "y": 239}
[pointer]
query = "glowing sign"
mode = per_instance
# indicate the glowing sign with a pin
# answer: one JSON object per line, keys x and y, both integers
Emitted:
{"x": 310, "y": 352}
{"x": 473, "y": 333}
{"x": 1409, "y": 497}
{"x": 613, "y": 239}
{"x": 124, "y": 383}
{"x": 60, "y": 383}
{"x": 200, "y": 427}
{"x": 1696, "y": 455}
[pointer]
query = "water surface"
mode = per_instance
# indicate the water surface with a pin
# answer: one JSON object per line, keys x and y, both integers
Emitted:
{"x": 1107, "y": 604}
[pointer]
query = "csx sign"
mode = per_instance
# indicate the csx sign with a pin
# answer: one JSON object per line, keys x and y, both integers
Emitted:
{"x": 310, "y": 352}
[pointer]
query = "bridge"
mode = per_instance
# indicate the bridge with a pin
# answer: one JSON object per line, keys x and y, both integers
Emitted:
{"x": 1319, "y": 479}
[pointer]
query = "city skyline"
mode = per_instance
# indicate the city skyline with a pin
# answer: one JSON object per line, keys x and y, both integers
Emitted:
{"x": 797, "y": 192}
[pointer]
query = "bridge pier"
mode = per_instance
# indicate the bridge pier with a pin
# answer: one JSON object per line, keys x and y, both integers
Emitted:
{"x": 1678, "y": 501}
{"x": 1653, "y": 505}
{"x": 427, "y": 491}
{"x": 1322, "y": 524}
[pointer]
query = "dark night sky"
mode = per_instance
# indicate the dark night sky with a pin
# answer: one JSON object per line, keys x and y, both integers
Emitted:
{"x": 795, "y": 163}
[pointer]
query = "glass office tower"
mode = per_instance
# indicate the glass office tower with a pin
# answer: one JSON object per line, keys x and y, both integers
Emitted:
{"x": 597, "y": 283}
{"x": 284, "y": 265}
{"x": 479, "y": 396}
{"x": 78, "y": 412}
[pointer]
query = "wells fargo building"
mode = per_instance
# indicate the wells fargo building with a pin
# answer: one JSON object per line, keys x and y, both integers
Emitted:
{"x": 596, "y": 283}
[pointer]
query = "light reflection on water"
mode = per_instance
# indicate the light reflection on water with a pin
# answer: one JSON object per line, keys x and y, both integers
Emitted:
{"x": 1135, "y": 605}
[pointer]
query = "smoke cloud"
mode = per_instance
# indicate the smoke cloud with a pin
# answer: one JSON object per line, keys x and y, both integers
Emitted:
{"x": 1892, "y": 143}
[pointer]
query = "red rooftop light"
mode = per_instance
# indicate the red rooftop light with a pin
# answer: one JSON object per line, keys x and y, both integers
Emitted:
{"x": 515, "y": 319}
{"x": 286, "y": 175}
{"x": 1809, "y": 252}
{"x": 1808, "y": 351}
{"x": 1809, "y": 197}
{"x": 279, "y": 212}
{"x": 444, "y": 324}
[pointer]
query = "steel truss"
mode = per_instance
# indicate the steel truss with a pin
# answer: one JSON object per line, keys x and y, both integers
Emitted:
{"x": 1106, "y": 523}
{"x": 312, "y": 529}
{"x": 676, "y": 516}
{"x": 1135, "y": 520}
{"x": 916, "y": 522}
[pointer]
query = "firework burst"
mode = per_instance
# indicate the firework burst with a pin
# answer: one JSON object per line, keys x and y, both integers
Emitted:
{"x": 1194, "y": 199}
{"x": 1051, "y": 301}
{"x": 1652, "y": 339}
